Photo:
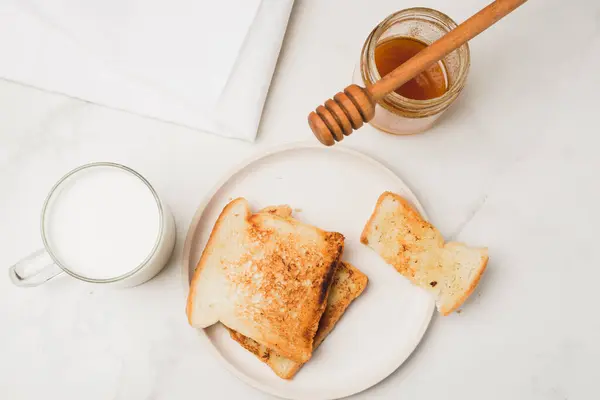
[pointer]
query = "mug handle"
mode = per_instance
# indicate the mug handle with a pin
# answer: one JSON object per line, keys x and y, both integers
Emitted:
{"x": 34, "y": 269}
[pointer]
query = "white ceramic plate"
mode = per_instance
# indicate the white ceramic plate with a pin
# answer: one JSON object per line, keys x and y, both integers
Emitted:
{"x": 334, "y": 189}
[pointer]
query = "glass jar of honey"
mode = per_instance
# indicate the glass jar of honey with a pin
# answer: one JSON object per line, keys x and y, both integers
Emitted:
{"x": 415, "y": 106}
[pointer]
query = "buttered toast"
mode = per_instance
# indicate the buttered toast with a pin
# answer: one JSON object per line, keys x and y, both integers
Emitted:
{"x": 265, "y": 276}
{"x": 348, "y": 283}
{"x": 398, "y": 233}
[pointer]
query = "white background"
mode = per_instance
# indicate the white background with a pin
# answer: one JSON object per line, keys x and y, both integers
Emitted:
{"x": 514, "y": 166}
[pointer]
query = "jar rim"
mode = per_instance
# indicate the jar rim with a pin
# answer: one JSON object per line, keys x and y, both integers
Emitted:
{"x": 429, "y": 106}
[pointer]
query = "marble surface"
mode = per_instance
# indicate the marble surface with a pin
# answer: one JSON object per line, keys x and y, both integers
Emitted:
{"x": 514, "y": 166}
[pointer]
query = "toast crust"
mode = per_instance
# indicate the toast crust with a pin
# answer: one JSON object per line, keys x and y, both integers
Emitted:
{"x": 284, "y": 211}
{"x": 276, "y": 279}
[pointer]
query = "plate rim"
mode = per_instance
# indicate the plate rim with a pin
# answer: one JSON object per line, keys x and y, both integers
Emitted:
{"x": 193, "y": 226}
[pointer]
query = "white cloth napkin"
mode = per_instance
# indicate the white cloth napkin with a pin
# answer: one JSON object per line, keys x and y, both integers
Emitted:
{"x": 203, "y": 64}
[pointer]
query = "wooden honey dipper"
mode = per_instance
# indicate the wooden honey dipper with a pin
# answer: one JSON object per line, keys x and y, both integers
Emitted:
{"x": 348, "y": 110}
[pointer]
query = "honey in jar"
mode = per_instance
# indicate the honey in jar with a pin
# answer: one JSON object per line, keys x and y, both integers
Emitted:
{"x": 395, "y": 51}
{"x": 417, "y": 105}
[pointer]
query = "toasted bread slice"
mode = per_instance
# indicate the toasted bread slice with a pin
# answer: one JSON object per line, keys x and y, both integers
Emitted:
{"x": 398, "y": 233}
{"x": 348, "y": 283}
{"x": 266, "y": 277}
